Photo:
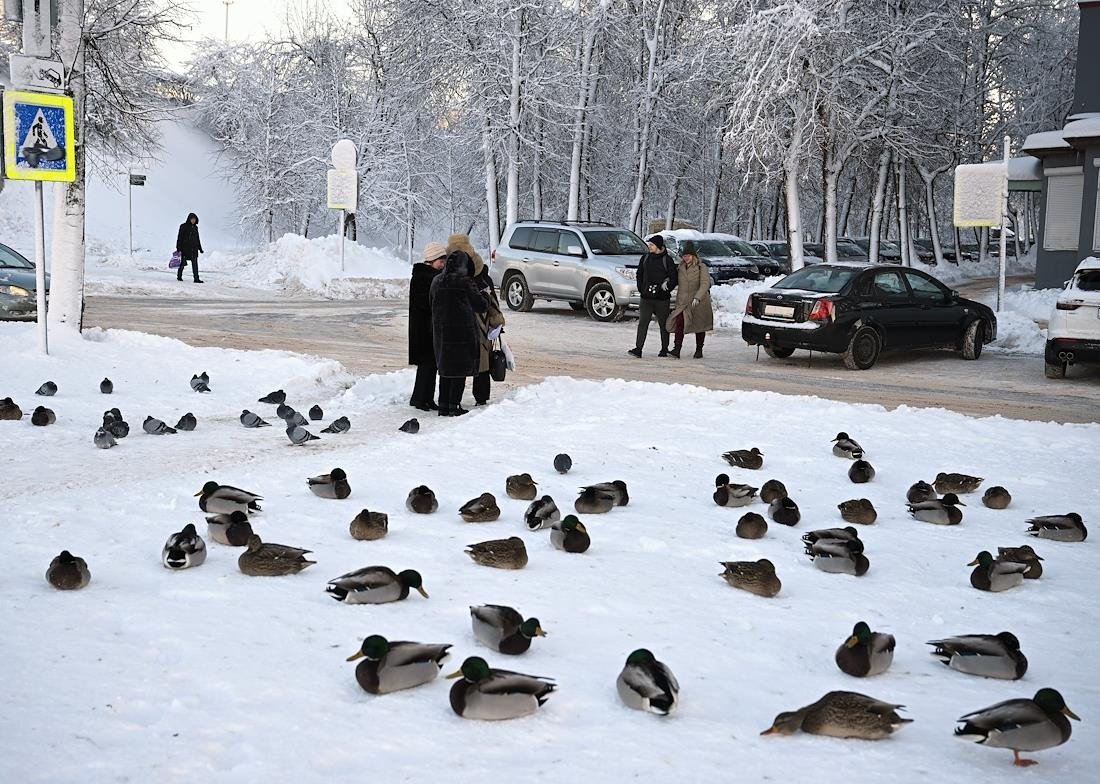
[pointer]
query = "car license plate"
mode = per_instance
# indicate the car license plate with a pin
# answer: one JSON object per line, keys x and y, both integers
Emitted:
{"x": 779, "y": 311}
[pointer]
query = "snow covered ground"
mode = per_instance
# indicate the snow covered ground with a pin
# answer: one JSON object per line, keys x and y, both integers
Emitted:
{"x": 209, "y": 674}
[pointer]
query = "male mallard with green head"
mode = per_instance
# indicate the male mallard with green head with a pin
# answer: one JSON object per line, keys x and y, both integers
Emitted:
{"x": 393, "y": 666}
{"x": 1021, "y": 725}
{"x": 492, "y": 695}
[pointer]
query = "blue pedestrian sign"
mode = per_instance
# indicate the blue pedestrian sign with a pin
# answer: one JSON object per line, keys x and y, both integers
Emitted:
{"x": 39, "y": 137}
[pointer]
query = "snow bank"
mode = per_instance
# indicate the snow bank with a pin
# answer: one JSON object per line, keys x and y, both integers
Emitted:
{"x": 1021, "y": 326}
{"x": 729, "y": 300}
{"x": 950, "y": 274}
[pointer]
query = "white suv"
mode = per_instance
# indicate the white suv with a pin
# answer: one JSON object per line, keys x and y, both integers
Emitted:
{"x": 1073, "y": 334}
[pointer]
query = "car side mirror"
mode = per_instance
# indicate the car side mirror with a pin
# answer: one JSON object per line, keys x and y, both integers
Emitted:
{"x": 955, "y": 295}
{"x": 574, "y": 250}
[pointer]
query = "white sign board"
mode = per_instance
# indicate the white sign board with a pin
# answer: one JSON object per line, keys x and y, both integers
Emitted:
{"x": 37, "y": 73}
{"x": 343, "y": 189}
{"x": 979, "y": 193}
{"x": 343, "y": 154}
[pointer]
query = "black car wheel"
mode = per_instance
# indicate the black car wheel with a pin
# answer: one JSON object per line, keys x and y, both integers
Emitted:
{"x": 973, "y": 339}
{"x": 776, "y": 352}
{"x": 516, "y": 293}
{"x": 863, "y": 350}
{"x": 601, "y": 305}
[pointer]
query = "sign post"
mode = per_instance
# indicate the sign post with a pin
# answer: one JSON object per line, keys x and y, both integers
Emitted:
{"x": 343, "y": 185}
{"x": 981, "y": 199}
{"x": 139, "y": 180}
{"x": 1004, "y": 230}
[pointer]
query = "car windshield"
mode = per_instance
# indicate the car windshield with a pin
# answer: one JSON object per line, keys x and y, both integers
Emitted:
{"x": 9, "y": 258}
{"x": 819, "y": 278}
{"x": 1089, "y": 280}
{"x": 614, "y": 242}
{"x": 848, "y": 249}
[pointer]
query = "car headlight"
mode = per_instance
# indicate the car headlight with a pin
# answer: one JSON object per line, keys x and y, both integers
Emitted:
{"x": 627, "y": 272}
{"x": 14, "y": 291}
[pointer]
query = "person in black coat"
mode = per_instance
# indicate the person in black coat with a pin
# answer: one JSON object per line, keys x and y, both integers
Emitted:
{"x": 421, "y": 342}
{"x": 656, "y": 279}
{"x": 455, "y": 301}
{"x": 189, "y": 246}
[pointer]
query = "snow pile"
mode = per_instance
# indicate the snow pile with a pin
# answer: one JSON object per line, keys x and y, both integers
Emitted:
{"x": 729, "y": 300}
{"x": 1018, "y": 325}
{"x": 950, "y": 274}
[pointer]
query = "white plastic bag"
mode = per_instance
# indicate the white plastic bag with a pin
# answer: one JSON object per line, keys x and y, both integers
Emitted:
{"x": 509, "y": 357}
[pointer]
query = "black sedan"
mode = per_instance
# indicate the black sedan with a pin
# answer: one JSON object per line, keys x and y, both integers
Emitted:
{"x": 860, "y": 310}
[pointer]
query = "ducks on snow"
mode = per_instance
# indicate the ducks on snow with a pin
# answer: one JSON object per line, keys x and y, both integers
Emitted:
{"x": 846, "y": 446}
{"x": 331, "y": 485}
{"x": 521, "y": 487}
{"x": 992, "y": 575}
{"x": 226, "y": 499}
{"x": 570, "y": 535}
{"x": 751, "y": 526}
{"x": 483, "y": 509}
{"x": 647, "y": 684}
{"x": 231, "y": 529}
{"x": 865, "y": 653}
{"x": 507, "y": 553}
{"x": 542, "y": 513}
{"x": 68, "y": 572}
{"x": 1024, "y": 555}
{"x": 756, "y": 577}
{"x": 375, "y": 585}
{"x": 732, "y": 495}
{"x": 184, "y": 549}
{"x": 956, "y": 483}
{"x": 392, "y": 666}
{"x": 941, "y": 511}
{"x": 858, "y": 510}
{"x": 1020, "y": 725}
{"x": 842, "y": 714}
{"x": 421, "y": 500}
{"x": 368, "y": 526}
{"x": 503, "y": 629}
{"x": 987, "y": 655}
{"x": 491, "y": 694}
{"x": 997, "y": 497}
{"x": 751, "y": 459}
{"x": 267, "y": 559}
{"x": 1059, "y": 528}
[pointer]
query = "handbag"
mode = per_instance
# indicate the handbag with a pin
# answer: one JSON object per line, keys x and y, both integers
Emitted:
{"x": 498, "y": 364}
{"x": 176, "y": 260}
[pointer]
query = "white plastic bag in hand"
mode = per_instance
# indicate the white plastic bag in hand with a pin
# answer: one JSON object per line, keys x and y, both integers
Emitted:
{"x": 509, "y": 357}
{"x": 494, "y": 333}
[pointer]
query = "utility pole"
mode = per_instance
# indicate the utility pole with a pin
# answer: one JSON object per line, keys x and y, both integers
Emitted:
{"x": 227, "y": 3}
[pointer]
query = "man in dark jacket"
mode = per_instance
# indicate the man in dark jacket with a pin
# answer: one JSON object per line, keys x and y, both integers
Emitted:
{"x": 656, "y": 278}
{"x": 455, "y": 301}
{"x": 189, "y": 245}
{"x": 421, "y": 344}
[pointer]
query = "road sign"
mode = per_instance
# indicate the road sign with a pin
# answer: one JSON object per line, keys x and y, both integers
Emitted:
{"x": 979, "y": 194}
{"x": 37, "y": 73}
{"x": 39, "y": 137}
{"x": 137, "y": 179}
{"x": 343, "y": 189}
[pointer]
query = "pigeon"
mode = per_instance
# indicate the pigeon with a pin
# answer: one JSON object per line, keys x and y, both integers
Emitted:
{"x": 562, "y": 463}
{"x": 298, "y": 435}
{"x": 10, "y": 410}
{"x": 155, "y": 427}
{"x": 316, "y": 414}
{"x": 184, "y": 550}
{"x": 201, "y": 382}
{"x": 43, "y": 416}
{"x": 275, "y": 398}
{"x": 295, "y": 419}
{"x": 187, "y": 422}
{"x": 117, "y": 428}
{"x": 248, "y": 419}
{"x": 341, "y": 425}
{"x": 103, "y": 439}
{"x": 542, "y": 513}
{"x": 412, "y": 427}
{"x": 106, "y": 386}
{"x": 331, "y": 485}
{"x": 283, "y": 411}
{"x": 49, "y": 389}
{"x": 114, "y": 415}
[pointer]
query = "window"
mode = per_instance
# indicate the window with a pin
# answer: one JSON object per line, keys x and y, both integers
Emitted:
{"x": 1062, "y": 227}
{"x": 889, "y": 285}
{"x": 926, "y": 289}
{"x": 9, "y": 258}
{"x": 546, "y": 240}
{"x": 614, "y": 242}
{"x": 567, "y": 239}
{"x": 1088, "y": 280}
{"x": 821, "y": 279}
{"x": 521, "y": 238}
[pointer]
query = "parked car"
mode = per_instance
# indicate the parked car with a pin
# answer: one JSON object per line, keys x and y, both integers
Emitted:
{"x": 1073, "y": 334}
{"x": 860, "y": 310}
{"x": 845, "y": 251}
{"x": 721, "y": 261}
{"x": 592, "y": 266}
{"x": 888, "y": 250}
{"x": 18, "y": 287}
{"x": 745, "y": 250}
{"x": 780, "y": 250}
{"x": 926, "y": 252}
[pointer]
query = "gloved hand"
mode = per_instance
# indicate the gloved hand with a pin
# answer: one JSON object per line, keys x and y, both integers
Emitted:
{"x": 694, "y": 302}
{"x": 665, "y": 285}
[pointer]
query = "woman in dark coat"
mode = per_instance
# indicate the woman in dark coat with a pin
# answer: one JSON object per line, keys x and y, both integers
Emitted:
{"x": 455, "y": 303}
{"x": 487, "y": 321}
{"x": 189, "y": 245}
{"x": 421, "y": 342}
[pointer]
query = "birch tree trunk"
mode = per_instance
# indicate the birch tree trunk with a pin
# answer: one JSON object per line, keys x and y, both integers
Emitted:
{"x": 929, "y": 180}
{"x": 514, "y": 114}
{"x": 794, "y": 205}
{"x": 646, "y": 121}
{"x": 716, "y": 187}
{"x": 878, "y": 202}
{"x": 491, "y": 202}
{"x": 585, "y": 89}
{"x": 903, "y": 217}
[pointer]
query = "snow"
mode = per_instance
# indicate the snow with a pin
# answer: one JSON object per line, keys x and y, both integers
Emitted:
{"x": 209, "y": 674}
{"x": 1045, "y": 140}
{"x": 1087, "y": 128}
{"x": 1091, "y": 263}
{"x": 729, "y": 300}
{"x": 1026, "y": 168}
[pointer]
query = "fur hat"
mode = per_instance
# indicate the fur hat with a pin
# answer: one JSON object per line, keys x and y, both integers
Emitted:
{"x": 657, "y": 240}
{"x": 687, "y": 248}
{"x": 462, "y": 242}
{"x": 434, "y": 250}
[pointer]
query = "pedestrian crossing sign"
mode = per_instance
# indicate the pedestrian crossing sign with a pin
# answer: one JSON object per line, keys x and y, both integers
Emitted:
{"x": 39, "y": 137}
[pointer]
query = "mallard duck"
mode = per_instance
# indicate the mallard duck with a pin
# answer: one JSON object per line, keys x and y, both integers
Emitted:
{"x": 842, "y": 714}
{"x": 837, "y": 556}
{"x": 264, "y": 559}
{"x": 861, "y": 472}
{"x": 491, "y": 694}
{"x": 784, "y": 511}
{"x": 375, "y": 585}
{"x": 920, "y": 492}
{"x": 1024, "y": 555}
{"x": 848, "y": 535}
{"x": 751, "y": 526}
{"x": 865, "y": 653}
{"x": 421, "y": 500}
{"x": 393, "y": 666}
{"x": 42, "y": 416}
{"x": 1059, "y": 528}
{"x": 1021, "y": 725}
{"x": 616, "y": 488}
{"x": 846, "y": 446}
{"x": 732, "y": 495}
{"x": 751, "y": 459}
{"x": 756, "y": 577}
{"x": 991, "y": 575}
{"x": 231, "y": 529}
{"x": 987, "y": 655}
{"x": 771, "y": 490}
{"x": 997, "y": 497}
{"x": 858, "y": 510}
{"x": 593, "y": 500}
{"x": 647, "y": 684}
{"x": 225, "y": 499}
{"x": 368, "y": 526}
{"x": 570, "y": 535}
{"x": 184, "y": 550}
{"x": 482, "y": 509}
{"x": 503, "y": 629}
{"x": 521, "y": 487}
{"x": 562, "y": 463}
{"x": 542, "y": 513}
{"x": 68, "y": 572}
{"x": 507, "y": 553}
{"x": 942, "y": 511}
{"x": 956, "y": 483}
{"x": 331, "y": 485}
{"x": 276, "y": 398}
{"x": 9, "y": 410}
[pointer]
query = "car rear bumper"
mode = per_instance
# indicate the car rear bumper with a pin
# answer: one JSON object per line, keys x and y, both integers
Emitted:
{"x": 806, "y": 335}
{"x": 1081, "y": 350}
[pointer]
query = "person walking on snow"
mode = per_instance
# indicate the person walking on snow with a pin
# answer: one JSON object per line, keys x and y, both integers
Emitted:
{"x": 421, "y": 348}
{"x": 656, "y": 278}
{"x": 488, "y": 323}
{"x": 693, "y": 311}
{"x": 189, "y": 246}
{"x": 455, "y": 303}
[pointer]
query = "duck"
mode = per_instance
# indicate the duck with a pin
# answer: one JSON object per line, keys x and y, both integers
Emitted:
{"x": 368, "y": 526}
{"x": 563, "y": 463}
{"x": 861, "y": 472}
{"x": 987, "y": 655}
{"x": 43, "y": 416}
{"x": 732, "y": 495}
{"x": 225, "y": 499}
{"x": 846, "y": 446}
{"x": 756, "y": 577}
{"x": 858, "y": 510}
{"x": 997, "y": 497}
{"x": 392, "y": 666}
{"x": 784, "y": 511}
{"x": 482, "y": 509}
{"x": 956, "y": 483}
{"x": 919, "y": 492}
{"x": 594, "y": 501}
{"x": 1059, "y": 528}
{"x": 184, "y": 549}
{"x": 521, "y": 487}
{"x": 842, "y": 714}
{"x": 491, "y": 695}
{"x": 375, "y": 585}
{"x": 266, "y": 559}
{"x": 751, "y": 526}
{"x": 421, "y": 500}
{"x": 865, "y": 653}
{"x": 616, "y": 488}
{"x": 995, "y": 576}
{"x": 231, "y": 529}
{"x": 106, "y": 387}
{"x": 942, "y": 511}
{"x": 1025, "y": 555}
{"x": 68, "y": 572}
{"x": 507, "y": 553}
{"x": 647, "y": 684}
{"x": 771, "y": 490}
{"x": 836, "y": 556}
{"x": 848, "y": 535}
{"x": 331, "y": 485}
{"x": 10, "y": 410}
{"x": 751, "y": 459}
{"x": 570, "y": 535}
{"x": 503, "y": 629}
{"x": 542, "y": 513}
{"x": 1020, "y": 725}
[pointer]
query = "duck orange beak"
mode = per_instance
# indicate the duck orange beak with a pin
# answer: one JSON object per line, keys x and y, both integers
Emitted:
{"x": 851, "y": 642}
{"x": 354, "y": 656}
{"x": 453, "y": 675}
{"x": 539, "y": 632}
{"x": 1071, "y": 714}
{"x": 773, "y": 730}
{"x": 422, "y": 592}
{"x": 973, "y": 563}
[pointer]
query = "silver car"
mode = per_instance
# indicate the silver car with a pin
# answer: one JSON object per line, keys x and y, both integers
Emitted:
{"x": 592, "y": 266}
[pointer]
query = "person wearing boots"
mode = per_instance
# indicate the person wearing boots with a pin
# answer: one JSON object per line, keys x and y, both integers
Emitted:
{"x": 455, "y": 303}
{"x": 489, "y": 322}
{"x": 693, "y": 311}
{"x": 189, "y": 246}
{"x": 421, "y": 348}
{"x": 656, "y": 278}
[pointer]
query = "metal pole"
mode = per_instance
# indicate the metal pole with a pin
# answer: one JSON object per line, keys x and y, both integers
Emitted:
{"x": 1004, "y": 239}
{"x": 227, "y": 3}
{"x": 40, "y": 267}
{"x": 130, "y": 210}
{"x": 343, "y": 237}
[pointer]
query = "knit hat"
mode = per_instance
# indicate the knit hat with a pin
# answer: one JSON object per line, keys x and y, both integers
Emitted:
{"x": 658, "y": 240}
{"x": 687, "y": 248}
{"x": 434, "y": 250}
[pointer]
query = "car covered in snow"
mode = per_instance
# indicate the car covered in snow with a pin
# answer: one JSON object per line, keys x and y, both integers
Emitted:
{"x": 18, "y": 287}
{"x": 1073, "y": 333}
{"x": 860, "y": 310}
